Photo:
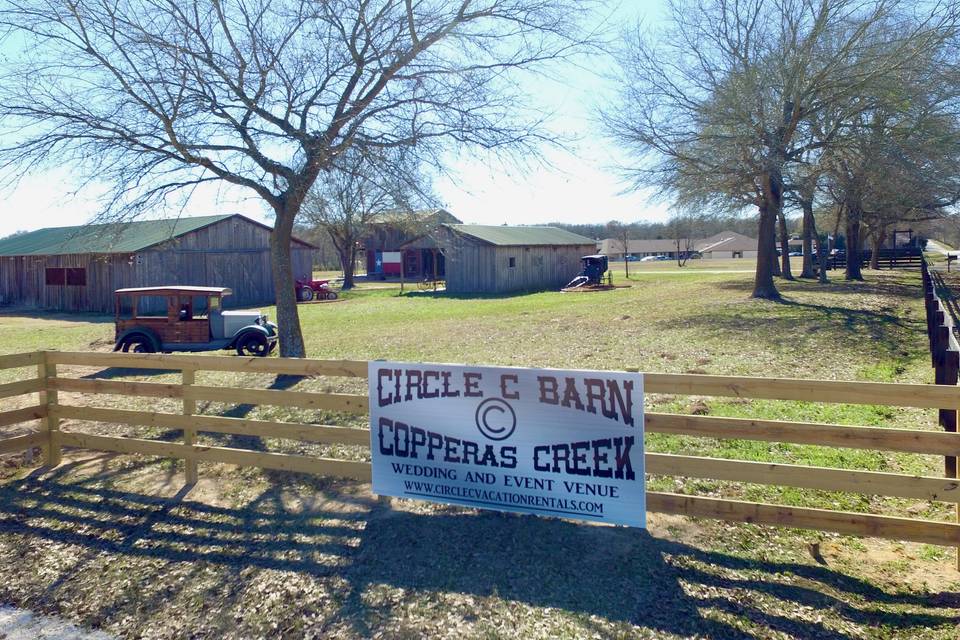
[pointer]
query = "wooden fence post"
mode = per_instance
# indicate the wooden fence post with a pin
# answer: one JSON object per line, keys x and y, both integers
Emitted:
{"x": 49, "y": 398}
{"x": 946, "y": 363}
{"x": 950, "y": 368}
{"x": 189, "y": 434}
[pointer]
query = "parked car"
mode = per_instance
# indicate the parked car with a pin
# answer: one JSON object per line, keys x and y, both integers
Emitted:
{"x": 174, "y": 318}
{"x": 649, "y": 258}
{"x": 307, "y": 290}
{"x": 795, "y": 254}
{"x": 662, "y": 258}
{"x": 631, "y": 259}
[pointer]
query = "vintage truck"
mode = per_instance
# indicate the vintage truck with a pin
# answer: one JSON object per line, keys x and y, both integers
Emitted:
{"x": 175, "y": 318}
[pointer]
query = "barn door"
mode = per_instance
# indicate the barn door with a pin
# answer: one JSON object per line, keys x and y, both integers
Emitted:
{"x": 219, "y": 274}
{"x": 235, "y": 272}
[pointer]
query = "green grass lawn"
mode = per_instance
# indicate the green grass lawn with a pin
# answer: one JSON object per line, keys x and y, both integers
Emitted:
{"x": 329, "y": 560}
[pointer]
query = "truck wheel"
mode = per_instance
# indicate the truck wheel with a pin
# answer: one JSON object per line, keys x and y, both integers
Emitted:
{"x": 137, "y": 343}
{"x": 253, "y": 344}
{"x": 331, "y": 295}
{"x": 305, "y": 294}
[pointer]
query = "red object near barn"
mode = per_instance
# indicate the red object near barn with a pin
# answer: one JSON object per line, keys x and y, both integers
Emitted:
{"x": 308, "y": 290}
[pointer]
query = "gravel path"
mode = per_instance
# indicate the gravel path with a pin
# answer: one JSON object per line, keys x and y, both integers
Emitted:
{"x": 20, "y": 624}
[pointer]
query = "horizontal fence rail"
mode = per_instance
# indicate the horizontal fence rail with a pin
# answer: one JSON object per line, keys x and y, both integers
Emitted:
{"x": 60, "y": 399}
{"x": 828, "y": 391}
{"x": 33, "y": 382}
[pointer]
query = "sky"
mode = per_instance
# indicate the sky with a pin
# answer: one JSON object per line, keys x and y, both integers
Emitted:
{"x": 577, "y": 184}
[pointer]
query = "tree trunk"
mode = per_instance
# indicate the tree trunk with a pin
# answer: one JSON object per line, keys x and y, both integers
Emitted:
{"x": 348, "y": 259}
{"x": 774, "y": 258}
{"x": 785, "y": 270}
{"x": 823, "y": 259}
{"x": 853, "y": 244}
{"x": 763, "y": 286}
{"x": 822, "y": 249}
{"x": 808, "y": 231}
{"x": 288, "y": 316}
{"x": 878, "y": 239}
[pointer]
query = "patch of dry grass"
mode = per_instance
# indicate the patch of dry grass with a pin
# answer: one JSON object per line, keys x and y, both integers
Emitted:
{"x": 112, "y": 543}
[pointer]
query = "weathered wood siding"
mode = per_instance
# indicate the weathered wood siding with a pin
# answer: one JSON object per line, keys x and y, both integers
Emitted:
{"x": 470, "y": 268}
{"x": 475, "y": 267}
{"x": 23, "y": 282}
{"x": 233, "y": 253}
{"x": 538, "y": 267}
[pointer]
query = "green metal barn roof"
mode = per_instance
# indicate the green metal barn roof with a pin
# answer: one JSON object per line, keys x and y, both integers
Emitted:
{"x": 120, "y": 237}
{"x": 512, "y": 236}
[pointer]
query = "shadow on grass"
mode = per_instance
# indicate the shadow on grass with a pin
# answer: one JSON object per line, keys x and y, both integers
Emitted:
{"x": 254, "y": 443}
{"x": 354, "y": 546}
{"x": 238, "y": 441}
{"x": 771, "y": 321}
{"x": 123, "y": 372}
{"x": 834, "y": 286}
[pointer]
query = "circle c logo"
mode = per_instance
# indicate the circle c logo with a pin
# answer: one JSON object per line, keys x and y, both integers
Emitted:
{"x": 496, "y": 419}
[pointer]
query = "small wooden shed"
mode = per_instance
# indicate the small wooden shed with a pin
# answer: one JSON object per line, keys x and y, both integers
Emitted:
{"x": 79, "y": 268}
{"x": 502, "y": 259}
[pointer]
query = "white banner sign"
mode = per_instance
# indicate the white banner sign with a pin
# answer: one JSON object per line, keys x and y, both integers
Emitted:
{"x": 542, "y": 441}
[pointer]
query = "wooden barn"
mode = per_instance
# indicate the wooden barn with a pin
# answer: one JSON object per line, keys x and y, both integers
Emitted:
{"x": 503, "y": 259}
{"x": 385, "y": 237}
{"x": 79, "y": 268}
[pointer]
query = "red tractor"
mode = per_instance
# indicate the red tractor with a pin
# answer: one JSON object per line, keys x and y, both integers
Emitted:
{"x": 308, "y": 290}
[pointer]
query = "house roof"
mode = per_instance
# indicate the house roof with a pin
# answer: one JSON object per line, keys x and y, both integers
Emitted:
{"x": 727, "y": 241}
{"x": 117, "y": 237}
{"x": 505, "y": 236}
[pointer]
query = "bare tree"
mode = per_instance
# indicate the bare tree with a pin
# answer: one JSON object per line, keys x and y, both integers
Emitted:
{"x": 360, "y": 190}
{"x": 684, "y": 228}
{"x": 713, "y": 105}
{"x": 621, "y": 233}
{"x": 155, "y": 97}
{"x": 897, "y": 161}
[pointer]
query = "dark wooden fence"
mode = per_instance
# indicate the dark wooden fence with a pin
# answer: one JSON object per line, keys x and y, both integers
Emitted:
{"x": 903, "y": 258}
{"x": 944, "y": 351}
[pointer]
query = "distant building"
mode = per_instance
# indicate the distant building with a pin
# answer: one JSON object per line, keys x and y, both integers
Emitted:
{"x": 382, "y": 244}
{"x": 504, "y": 259}
{"x": 79, "y": 268}
{"x": 726, "y": 244}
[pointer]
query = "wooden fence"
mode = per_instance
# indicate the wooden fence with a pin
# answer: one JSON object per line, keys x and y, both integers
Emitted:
{"x": 904, "y": 258}
{"x": 48, "y": 379}
{"x": 944, "y": 348}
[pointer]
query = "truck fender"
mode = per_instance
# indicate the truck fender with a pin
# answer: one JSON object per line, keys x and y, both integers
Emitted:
{"x": 243, "y": 333}
{"x": 149, "y": 333}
